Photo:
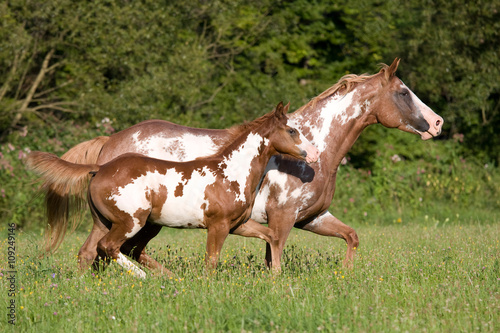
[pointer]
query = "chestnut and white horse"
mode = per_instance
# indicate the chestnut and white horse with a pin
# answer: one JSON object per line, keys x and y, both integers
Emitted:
{"x": 292, "y": 194}
{"x": 134, "y": 192}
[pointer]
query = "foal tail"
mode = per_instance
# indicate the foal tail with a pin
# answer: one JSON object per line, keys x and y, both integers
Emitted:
{"x": 65, "y": 183}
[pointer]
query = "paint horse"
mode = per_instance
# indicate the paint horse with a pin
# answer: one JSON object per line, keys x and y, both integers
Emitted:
{"x": 134, "y": 192}
{"x": 292, "y": 193}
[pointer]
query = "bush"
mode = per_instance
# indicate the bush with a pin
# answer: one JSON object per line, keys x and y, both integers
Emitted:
{"x": 387, "y": 182}
{"x": 19, "y": 202}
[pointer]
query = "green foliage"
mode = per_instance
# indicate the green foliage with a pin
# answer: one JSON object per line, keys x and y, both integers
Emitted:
{"x": 438, "y": 178}
{"x": 20, "y": 199}
{"x": 451, "y": 60}
{"x": 67, "y": 66}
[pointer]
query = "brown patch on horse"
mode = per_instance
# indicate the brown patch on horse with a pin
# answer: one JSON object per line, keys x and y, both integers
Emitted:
{"x": 179, "y": 190}
{"x": 159, "y": 198}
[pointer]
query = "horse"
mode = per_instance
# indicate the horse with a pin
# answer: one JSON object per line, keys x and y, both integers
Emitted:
{"x": 135, "y": 192}
{"x": 292, "y": 194}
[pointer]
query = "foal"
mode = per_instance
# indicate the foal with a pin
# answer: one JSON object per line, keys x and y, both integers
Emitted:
{"x": 214, "y": 193}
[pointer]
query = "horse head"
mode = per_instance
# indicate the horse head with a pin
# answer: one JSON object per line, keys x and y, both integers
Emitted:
{"x": 401, "y": 108}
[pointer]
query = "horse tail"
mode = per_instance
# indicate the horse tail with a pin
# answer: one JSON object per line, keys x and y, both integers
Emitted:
{"x": 65, "y": 184}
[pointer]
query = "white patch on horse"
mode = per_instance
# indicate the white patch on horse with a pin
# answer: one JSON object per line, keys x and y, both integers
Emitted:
{"x": 335, "y": 108}
{"x": 280, "y": 179}
{"x": 238, "y": 163}
{"x": 421, "y": 106}
{"x": 129, "y": 266}
{"x": 303, "y": 146}
{"x": 184, "y": 148}
{"x": 132, "y": 197}
{"x": 319, "y": 219}
{"x": 176, "y": 211}
{"x": 197, "y": 146}
{"x": 186, "y": 211}
{"x": 296, "y": 193}
{"x": 259, "y": 208}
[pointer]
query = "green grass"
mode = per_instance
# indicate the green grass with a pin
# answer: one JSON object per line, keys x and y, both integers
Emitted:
{"x": 407, "y": 277}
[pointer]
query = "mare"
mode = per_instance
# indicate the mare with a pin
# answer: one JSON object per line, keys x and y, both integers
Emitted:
{"x": 292, "y": 193}
{"x": 134, "y": 192}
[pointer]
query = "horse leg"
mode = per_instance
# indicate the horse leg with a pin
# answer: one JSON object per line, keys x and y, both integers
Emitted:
{"x": 328, "y": 225}
{"x": 110, "y": 244}
{"x": 281, "y": 223}
{"x": 257, "y": 230}
{"x": 216, "y": 235}
{"x": 135, "y": 248}
{"x": 88, "y": 252}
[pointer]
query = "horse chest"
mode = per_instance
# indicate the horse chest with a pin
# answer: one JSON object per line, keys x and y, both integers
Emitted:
{"x": 284, "y": 192}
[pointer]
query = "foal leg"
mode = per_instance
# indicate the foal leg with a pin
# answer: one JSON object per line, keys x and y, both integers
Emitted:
{"x": 110, "y": 244}
{"x": 257, "y": 230}
{"x": 88, "y": 252}
{"x": 135, "y": 247}
{"x": 328, "y": 225}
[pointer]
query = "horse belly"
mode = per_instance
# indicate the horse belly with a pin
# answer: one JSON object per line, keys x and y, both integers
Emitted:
{"x": 185, "y": 203}
{"x": 182, "y": 212}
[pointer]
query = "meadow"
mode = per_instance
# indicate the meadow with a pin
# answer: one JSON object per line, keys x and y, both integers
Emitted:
{"x": 419, "y": 275}
{"x": 428, "y": 222}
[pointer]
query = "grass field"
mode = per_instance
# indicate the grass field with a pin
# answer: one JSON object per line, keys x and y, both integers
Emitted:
{"x": 421, "y": 277}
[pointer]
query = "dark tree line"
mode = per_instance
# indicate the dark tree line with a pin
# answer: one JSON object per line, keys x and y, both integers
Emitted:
{"x": 215, "y": 63}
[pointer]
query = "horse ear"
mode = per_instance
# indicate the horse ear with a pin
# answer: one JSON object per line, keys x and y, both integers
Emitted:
{"x": 390, "y": 71}
{"x": 393, "y": 67}
{"x": 285, "y": 109}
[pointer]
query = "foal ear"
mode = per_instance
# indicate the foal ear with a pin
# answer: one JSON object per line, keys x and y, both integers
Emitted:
{"x": 280, "y": 110}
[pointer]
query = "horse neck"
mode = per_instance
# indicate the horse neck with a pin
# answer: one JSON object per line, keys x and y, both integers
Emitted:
{"x": 335, "y": 123}
{"x": 244, "y": 161}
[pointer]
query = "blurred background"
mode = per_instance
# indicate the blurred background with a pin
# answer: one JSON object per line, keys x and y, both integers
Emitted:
{"x": 70, "y": 71}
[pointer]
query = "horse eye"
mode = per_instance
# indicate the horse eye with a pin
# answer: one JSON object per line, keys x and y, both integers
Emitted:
{"x": 404, "y": 93}
{"x": 291, "y": 131}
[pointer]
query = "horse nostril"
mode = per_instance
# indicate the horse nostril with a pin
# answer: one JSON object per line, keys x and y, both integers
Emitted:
{"x": 438, "y": 122}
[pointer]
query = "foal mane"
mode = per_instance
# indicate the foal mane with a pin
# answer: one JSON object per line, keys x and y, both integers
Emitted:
{"x": 347, "y": 84}
{"x": 237, "y": 130}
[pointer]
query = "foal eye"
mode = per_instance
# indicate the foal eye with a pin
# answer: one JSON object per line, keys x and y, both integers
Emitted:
{"x": 291, "y": 131}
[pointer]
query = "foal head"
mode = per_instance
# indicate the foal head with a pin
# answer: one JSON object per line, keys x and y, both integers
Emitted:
{"x": 400, "y": 108}
{"x": 286, "y": 139}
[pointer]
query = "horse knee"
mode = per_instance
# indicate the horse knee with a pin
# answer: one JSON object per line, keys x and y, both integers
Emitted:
{"x": 85, "y": 260}
{"x": 108, "y": 249}
{"x": 354, "y": 239}
{"x": 85, "y": 255}
{"x": 351, "y": 238}
{"x": 273, "y": 239}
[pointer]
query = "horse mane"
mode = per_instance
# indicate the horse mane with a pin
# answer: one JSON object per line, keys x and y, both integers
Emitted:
{"x": 238, "y": 130}
{"x": 347, "y": 84}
